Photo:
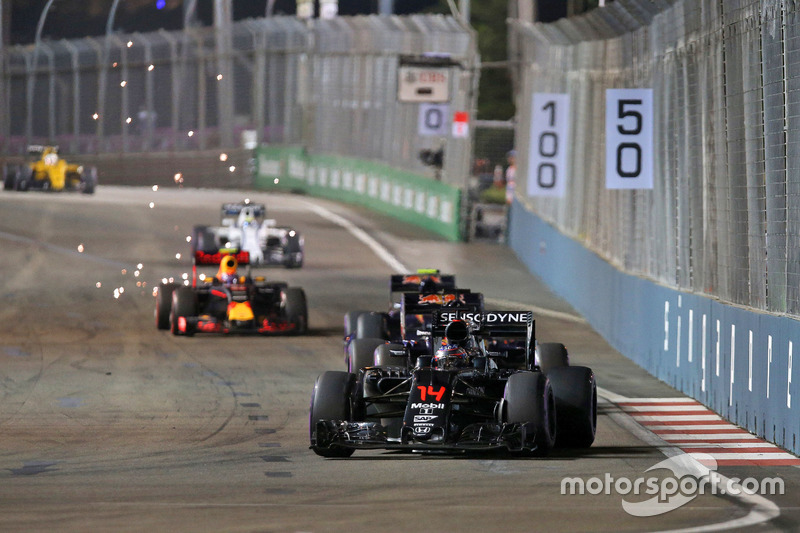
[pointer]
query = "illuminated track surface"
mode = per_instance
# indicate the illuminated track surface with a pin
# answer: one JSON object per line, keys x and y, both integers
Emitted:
{"x": 110, "y": 425}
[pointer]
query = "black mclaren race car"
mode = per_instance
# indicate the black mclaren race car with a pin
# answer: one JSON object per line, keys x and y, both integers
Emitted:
{"x": 230, "y": 303}
{"x": 414, "y": 299}
{"x": 490, "y": 386}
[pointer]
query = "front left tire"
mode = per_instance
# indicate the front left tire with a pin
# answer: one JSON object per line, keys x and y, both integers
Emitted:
{"x": 529, "y": 399}
{"x": 330, "y": 400}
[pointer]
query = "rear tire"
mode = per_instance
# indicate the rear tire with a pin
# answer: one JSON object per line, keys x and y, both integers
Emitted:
{"x": 203, "y": 240}
{"x": 371, "y": 325}
{"x": 9, "y": 174}
{"x": 576, "y": 405}
{"x": 296, "y": 309}
{"x": 552, "y": 355}
{"x": 350, "y": 322}
{"x": 89, "y": 179}
{"x": 183, "y": 305}
{"x": 330, "y": 400}
{"x": 383, "y": 355}
{"x": 164, "y": 304}
{"x": 294, "y": 251}
{"x": 23, "y": 177}
{"x": 529, "y": 398}
{"x": 361, "y": 353}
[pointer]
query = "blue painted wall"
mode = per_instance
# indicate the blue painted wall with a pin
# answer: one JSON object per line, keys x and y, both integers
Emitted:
{"x": 735, "y": 360}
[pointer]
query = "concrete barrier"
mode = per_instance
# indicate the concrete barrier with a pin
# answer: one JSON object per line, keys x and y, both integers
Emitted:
{"x": 408, "y": 197}
{"x": 736, "y": 361}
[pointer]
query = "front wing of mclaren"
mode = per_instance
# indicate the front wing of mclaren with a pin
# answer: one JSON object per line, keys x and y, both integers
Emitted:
{"x": 512, "y": 437}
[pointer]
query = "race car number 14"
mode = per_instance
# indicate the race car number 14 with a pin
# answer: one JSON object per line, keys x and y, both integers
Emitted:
{"x": 629, "y": 138}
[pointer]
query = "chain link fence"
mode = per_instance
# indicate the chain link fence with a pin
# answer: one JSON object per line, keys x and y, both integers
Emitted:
{"x": 328, "y": 85}
{"x": 489, "y": 190}
{"x": 723, "y": 218}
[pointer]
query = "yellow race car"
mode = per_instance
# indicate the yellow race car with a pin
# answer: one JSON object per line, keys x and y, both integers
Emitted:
{"x": 46, "y": 171}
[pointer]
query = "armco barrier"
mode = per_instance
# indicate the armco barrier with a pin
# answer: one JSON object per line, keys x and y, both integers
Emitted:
{"x": 735, "y": 361}
{"x": 399, "y": 194}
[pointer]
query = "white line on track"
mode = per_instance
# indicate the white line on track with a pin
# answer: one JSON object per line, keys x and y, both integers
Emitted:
{"x": 703, "y": 436}
{"x": 668, "y": 418}
{"x": 361, "y": 235}
{"x": 637, "y": 408}
{"x": 395, "y": 264}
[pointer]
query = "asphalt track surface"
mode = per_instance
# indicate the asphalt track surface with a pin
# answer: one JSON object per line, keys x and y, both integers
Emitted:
{"x": 107, "y": 424}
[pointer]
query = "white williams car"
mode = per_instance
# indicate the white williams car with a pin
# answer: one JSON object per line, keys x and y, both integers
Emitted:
{"x": 245, "y": 228}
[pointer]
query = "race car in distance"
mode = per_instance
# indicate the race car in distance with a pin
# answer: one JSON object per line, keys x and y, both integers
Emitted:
{"x": 45, "y": 170}
{"x": 489, "y": 386}
{"x": 244, "y": 227}
{"x": 414, "y": 298}
{"x": 230, "y": 303}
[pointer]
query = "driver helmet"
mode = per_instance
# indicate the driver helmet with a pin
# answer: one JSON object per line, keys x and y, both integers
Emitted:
{"x": 227, "y": 269}
{"x": 450, "y": 356}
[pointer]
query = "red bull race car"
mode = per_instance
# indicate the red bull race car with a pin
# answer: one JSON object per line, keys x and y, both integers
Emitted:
{"x": 489, "y": 386}
{"x": 229, "y": 302}
{"x": 415, "y": 297}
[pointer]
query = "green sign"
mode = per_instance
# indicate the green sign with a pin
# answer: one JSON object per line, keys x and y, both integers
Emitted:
{"x": 408, "y": 197}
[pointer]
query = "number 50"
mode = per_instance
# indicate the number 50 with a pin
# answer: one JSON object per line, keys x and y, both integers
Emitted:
{"x": 629, "y": 138}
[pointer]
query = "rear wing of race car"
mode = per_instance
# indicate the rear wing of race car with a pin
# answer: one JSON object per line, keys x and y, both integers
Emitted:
{"x": 204, "y": 258}
{"x": 414, "y": 303}
{"x": 487, "y": 323}
{"x": 413, "y": 282}
{"x": 490, "y": 325}
{"x": 229, "y": 212}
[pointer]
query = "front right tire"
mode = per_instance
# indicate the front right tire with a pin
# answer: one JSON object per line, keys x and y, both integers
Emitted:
{"x": 296, "y": 309}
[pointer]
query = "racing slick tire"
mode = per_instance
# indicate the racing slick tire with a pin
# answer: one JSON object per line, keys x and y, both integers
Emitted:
{"x": 164, "y": 304}
{"x": 552, "y": 355}
{"x": 293, "y": 251}
{"x": 9, "y": 174}
{"x": 383, "y": 355}
{"x": 89, "y": 181}
{"x": 350, "y": 322}
{"x": 576, "y": 405}
{"x": 529, "y": 399}
{"x": 361, "y": 353}
{"x": 296, "y": 309}
{"x": 183, "y": 305}
{"x": 371, "y": 325}
{"x": 22, "y": 178}
{"x": 330, "y": 400}
{"x": 203, "y": 240}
